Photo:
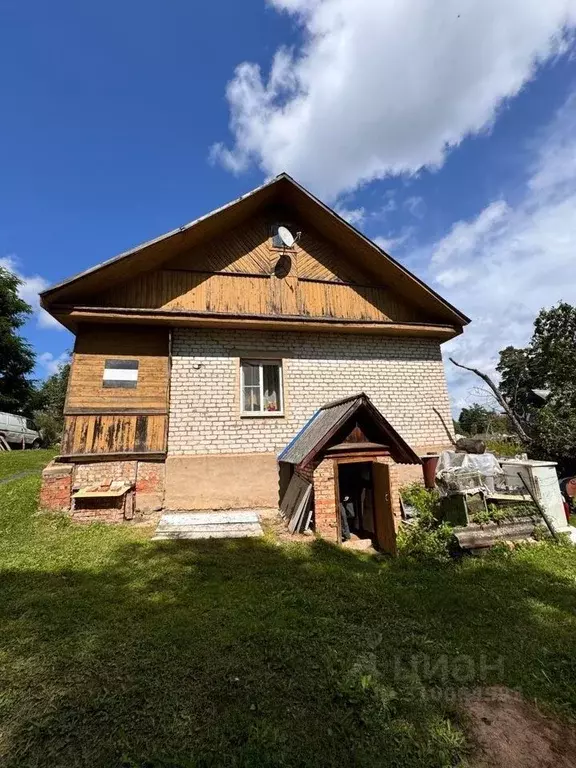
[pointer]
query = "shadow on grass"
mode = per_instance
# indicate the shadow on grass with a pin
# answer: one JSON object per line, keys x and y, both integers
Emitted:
{"x": 244, "y": 653}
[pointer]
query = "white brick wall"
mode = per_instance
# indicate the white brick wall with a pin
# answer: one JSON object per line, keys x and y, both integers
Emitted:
{"x": 403, "y": 377}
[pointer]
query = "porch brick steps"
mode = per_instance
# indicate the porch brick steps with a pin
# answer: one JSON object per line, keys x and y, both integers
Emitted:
{"x": 199, "y": 525}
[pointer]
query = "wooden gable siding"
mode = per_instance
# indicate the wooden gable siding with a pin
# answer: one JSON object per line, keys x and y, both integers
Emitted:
{"x": 116, "y": 420}
{"x": 248, "y": 249}
{"x": 250, "y": 294}
{"x": 242, "y": 274}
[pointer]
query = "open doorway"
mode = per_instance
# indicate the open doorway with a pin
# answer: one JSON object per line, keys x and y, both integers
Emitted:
{"x": 356, "y": 500}
{"x": 364, "y": 504}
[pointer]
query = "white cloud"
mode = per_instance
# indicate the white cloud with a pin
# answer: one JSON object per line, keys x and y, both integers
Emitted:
{"x": 393, "y": 242}
{"x": 503, "y": 266}
{"x": 380, "y": 87}
{"x": 51, "y": 364}
{"x": 31, "y": 286}
{"x": 354, "y": 216}
{"x": 415, "y": 206}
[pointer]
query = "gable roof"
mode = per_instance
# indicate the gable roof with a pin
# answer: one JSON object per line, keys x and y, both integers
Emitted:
{"x": 155, "y": 252}
{"x": 314, "y": 437}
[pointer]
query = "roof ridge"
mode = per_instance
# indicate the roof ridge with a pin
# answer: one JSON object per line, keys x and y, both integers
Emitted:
{"x": 359, "y": 396}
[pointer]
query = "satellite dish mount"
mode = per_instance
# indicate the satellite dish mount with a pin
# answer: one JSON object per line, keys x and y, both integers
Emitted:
{"x": 286, "y": 237}
{"x": 288, "y": 240}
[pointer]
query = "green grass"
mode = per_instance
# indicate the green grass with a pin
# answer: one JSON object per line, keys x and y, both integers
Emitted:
{"x": 12, "y": 462}
{"x": 119, "y": 651}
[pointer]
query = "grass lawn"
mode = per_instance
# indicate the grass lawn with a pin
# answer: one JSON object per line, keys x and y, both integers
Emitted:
{"x": 12, "y": 462}
{"x": 119, "y": 651}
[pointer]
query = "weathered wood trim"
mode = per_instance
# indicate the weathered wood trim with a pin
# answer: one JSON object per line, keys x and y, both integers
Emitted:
{"x": 89, "y": 457}
{"x": 265, "y": 275}
{"x": 105, "y": 411}
{"x": 168, "y": 390}
{"x": 219, "y": 272}
{"x": 355, "y": 456}
{"x": 107, "y": 434}
{"x": 71, "y": 316}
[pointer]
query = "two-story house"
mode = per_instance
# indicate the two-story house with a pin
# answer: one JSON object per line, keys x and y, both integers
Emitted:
{"x": 201, "y": 355}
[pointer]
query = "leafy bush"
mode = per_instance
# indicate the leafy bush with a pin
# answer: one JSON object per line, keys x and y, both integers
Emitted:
{"x": 500, "y": 514}
{"x": 424, "y": 538}
{"x": 430, "y": 544}
{"x": 504, "y": 448}
{"x": 49, "y": 426}
{"x": 426, "y": 502}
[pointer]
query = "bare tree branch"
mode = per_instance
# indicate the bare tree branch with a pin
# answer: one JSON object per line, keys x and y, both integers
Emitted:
{"x": 501, "y": 401}
{"x": 450, "y": 437}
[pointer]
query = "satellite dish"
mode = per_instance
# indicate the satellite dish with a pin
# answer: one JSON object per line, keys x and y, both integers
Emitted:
{"x": 286, "y": 236}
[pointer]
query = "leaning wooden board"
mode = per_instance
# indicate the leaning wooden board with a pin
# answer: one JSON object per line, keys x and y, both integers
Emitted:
{"x": 295, "y": 502}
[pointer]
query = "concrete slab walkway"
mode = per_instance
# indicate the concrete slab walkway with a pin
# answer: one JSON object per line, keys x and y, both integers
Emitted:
{"x": 232, "y": 524}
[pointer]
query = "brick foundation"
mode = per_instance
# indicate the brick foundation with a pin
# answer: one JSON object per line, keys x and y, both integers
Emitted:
{"x": 59, "y": 481}
{"x": 150, "y": 481}
{"x": 56, "y": 490}
{"x": 116, "y": 510}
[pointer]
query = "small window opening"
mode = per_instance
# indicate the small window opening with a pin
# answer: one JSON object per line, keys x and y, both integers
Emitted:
{"x": 121, "y": 374}
{"x": 261, "y": 387}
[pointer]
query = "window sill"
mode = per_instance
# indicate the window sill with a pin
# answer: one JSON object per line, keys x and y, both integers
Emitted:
{"x": 262, "y": 415}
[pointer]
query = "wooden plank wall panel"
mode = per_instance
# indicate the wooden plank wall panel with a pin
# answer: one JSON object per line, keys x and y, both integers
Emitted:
{"x": 246, "y": 294}
{"x": 318, "y": 260}
{"x": 244, "y": 249}
{"x": 248, "y": 250}
{"x": 96, "y": 344}
{"x": 101, "y": 434}
{"x": 222, "y": 276}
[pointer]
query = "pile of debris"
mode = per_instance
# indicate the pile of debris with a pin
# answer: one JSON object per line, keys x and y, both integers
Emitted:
{"x": 490, "y": 500}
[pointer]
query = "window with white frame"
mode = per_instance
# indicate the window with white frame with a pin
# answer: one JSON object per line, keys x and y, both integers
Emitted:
{"x": 261, "y": 387}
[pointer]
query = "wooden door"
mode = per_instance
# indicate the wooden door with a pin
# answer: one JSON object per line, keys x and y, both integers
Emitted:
{"x": 383, "y": 516}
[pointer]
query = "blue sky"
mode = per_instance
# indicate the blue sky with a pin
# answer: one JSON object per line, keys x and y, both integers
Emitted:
{"x": 445, "y": 133}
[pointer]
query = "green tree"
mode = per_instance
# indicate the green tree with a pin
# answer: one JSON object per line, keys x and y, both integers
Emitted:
{"x": 548, "y": 362}
{"x": 517, "y": 379}
{"x": 50, "y": 399}
{"x": 16, "y": 355}
{"x": 474, "y": 420}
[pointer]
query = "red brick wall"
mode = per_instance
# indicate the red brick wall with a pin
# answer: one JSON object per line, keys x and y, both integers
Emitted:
{"x": 92, "y": 511}
{"x": 60, "y": 480}
{"x": 56, "y": 489}
{"x": 325, "y": 511}
{"x": 149, "y": 486}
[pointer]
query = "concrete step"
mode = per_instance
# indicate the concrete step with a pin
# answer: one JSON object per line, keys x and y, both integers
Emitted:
{"x": 191, "y": 518}
{"x": 216, "y": 527}
{"x": 178, "y": 533}
{"x": 208, "y": 525}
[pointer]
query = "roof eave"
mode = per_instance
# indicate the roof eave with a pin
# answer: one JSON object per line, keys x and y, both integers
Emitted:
{"x": 464, "y": 319}
{"x": 125, "y": 254}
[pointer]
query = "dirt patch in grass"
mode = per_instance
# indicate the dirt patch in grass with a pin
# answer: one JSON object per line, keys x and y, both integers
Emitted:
{"x": 510, "y": 732}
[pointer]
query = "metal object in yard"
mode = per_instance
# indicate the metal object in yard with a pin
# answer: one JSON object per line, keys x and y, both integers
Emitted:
{"x": 538, "y": 506}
